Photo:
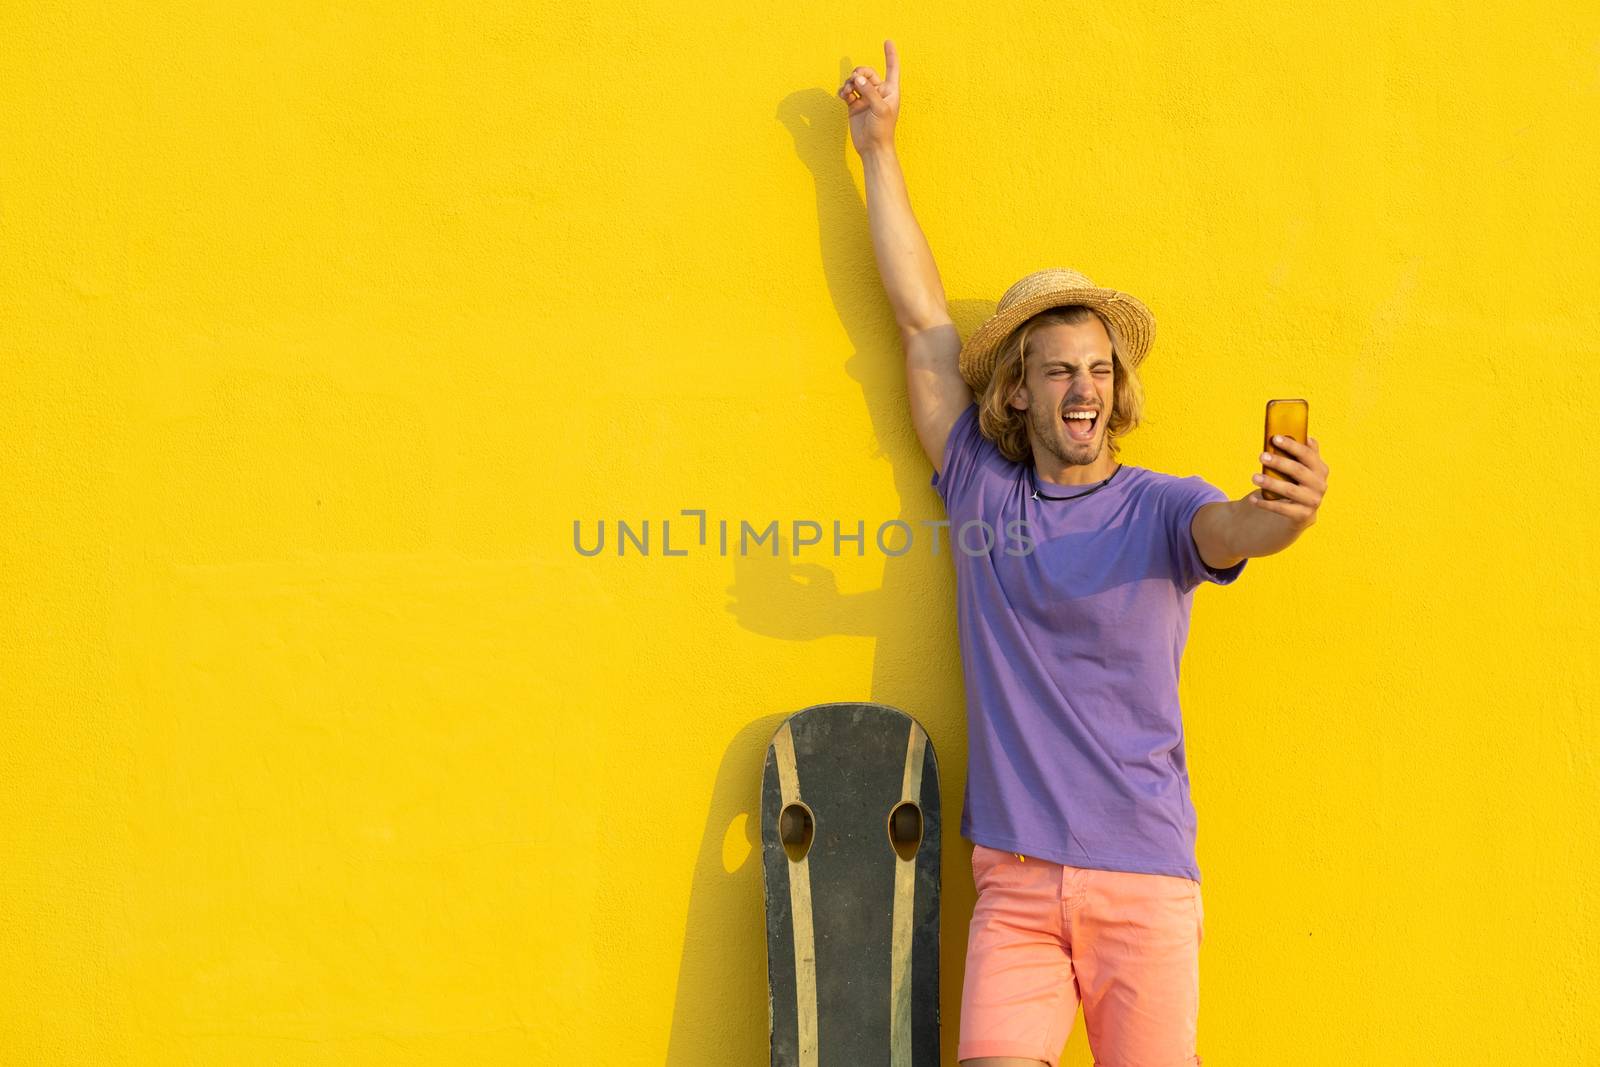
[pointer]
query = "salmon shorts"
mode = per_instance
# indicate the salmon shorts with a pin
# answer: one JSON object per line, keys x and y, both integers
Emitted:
{"x": 1046, "y": 937}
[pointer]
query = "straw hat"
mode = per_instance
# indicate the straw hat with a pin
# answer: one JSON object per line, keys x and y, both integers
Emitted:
{"x": 1054, "y": 287}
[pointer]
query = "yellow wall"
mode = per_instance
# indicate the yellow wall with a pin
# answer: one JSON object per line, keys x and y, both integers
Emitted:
{"x": 321, "y": 324}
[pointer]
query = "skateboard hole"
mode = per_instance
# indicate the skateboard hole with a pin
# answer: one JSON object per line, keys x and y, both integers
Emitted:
{"x": 796, "y": 829}
{"x": 905, "y": 829}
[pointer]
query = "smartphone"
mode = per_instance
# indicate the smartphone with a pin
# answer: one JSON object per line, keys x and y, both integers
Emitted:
{"x": 1289, "y": 418}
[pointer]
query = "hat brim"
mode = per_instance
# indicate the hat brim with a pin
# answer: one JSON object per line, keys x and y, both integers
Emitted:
{"x": 1135, "y": 326}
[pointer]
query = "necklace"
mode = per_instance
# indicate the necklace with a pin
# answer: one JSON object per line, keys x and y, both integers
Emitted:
{"x": 1034, "y": 478}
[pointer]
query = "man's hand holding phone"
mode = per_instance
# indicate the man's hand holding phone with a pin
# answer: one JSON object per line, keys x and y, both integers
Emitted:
{"x": 1291, "y": 485}
{"x": 1305, "y": 480}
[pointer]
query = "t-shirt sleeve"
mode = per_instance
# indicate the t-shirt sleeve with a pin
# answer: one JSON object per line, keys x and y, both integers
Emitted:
{"x": 1185, "y": 496}
{"x": 966, "y": 453}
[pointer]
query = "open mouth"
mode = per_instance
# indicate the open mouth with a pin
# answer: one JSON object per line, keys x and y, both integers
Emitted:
{"x": 1080, "y": 428}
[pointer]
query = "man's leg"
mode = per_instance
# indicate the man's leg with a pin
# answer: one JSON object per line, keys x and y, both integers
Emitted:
{"x": 1136, "y": 950}
{"x": 1018, "y": 998}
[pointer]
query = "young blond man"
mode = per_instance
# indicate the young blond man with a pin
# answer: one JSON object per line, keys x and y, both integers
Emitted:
{"x": 1077, "y": 798}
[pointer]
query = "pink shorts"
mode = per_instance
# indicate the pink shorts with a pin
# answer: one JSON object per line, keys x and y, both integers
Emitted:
{"x": 1045, "y": 937}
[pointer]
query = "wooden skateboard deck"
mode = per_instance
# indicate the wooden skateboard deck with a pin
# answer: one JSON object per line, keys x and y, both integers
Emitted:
{"x": 850, "y": 859}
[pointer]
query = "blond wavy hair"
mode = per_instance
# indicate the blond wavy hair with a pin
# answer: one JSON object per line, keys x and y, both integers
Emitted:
{"x": 1008, "y": 428}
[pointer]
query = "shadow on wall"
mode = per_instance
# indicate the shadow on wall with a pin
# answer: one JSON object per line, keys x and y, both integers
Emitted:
{"x": 720, "y": 1014}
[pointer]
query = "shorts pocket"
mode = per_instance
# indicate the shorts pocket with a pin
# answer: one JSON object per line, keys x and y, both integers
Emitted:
{"x": 1199, "y": 916}
{"x": 984, "y": 860}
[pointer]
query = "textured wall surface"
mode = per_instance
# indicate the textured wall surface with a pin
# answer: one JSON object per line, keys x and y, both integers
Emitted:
{"x": 321, "y": 324}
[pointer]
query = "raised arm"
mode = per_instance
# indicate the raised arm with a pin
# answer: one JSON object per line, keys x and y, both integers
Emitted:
{"x": 937, "y": 392}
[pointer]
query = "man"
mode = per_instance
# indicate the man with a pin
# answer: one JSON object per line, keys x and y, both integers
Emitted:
{"x": 1073, "y": 613}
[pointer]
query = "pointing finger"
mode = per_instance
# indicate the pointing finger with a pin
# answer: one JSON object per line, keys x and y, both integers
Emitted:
{"x": 891, "y": 64}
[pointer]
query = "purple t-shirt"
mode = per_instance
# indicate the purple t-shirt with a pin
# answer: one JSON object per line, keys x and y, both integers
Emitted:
{"x": 1072, "y": 626}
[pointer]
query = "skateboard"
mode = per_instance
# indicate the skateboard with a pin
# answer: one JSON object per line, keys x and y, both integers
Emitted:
{"x": 850, "y": 864}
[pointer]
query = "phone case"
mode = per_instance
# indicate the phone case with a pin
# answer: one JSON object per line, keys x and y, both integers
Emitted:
{"x": 1289, "y": 418}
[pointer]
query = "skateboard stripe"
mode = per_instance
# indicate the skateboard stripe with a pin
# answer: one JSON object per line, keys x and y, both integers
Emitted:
{"x": 905, "y": 889}
{"x": 805, "y": 948}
